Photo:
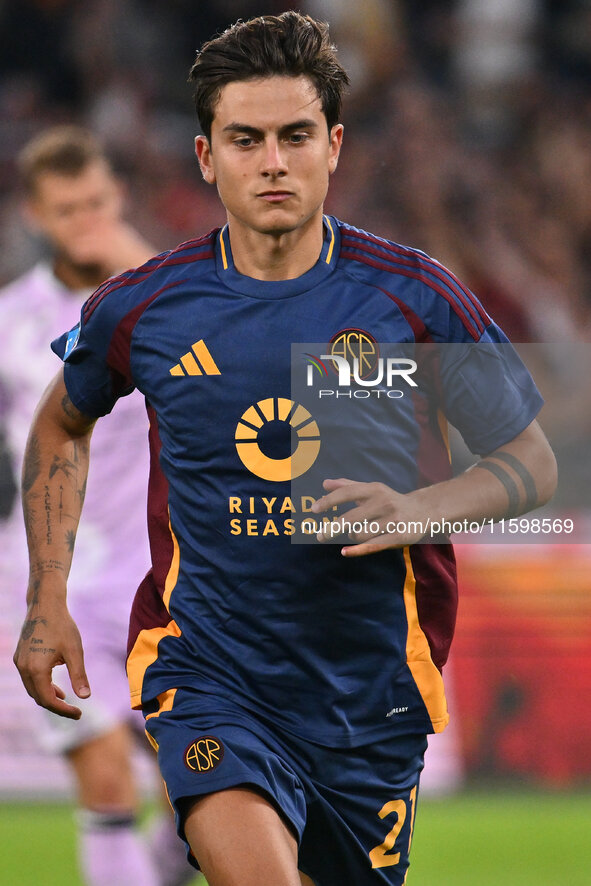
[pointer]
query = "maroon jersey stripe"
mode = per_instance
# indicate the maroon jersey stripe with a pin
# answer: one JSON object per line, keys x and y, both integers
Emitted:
{"x": 148, "y": 610}
{"x": 434, "y": 567}
{"x": 471, "y": 327}
{"x": 118, "y": 355}
{"x": 151, "y": 265}
{"x": 420, "y": 331}
{"x": 95, "y": 300}
{"x": 409, "y": 257}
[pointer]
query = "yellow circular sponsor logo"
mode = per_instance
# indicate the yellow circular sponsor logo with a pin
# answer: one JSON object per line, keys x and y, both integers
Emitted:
{"x": 294, "y": 417}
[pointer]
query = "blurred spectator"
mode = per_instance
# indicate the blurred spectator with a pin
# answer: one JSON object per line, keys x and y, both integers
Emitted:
{"x": 495, "y": 51}
{"x": 76, "y": 204}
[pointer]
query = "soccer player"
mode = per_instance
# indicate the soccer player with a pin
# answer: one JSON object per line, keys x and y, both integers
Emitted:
{"x": 288, "y": 689}
{"x": 74, "y": 200}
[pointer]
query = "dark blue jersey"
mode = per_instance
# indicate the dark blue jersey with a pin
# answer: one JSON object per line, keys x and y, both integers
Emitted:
{"x": 339, "y": 651}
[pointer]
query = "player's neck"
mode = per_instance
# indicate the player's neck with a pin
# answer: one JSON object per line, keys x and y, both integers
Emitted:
{"x": 77, "y": 277}
{"x": 275, "y": 256}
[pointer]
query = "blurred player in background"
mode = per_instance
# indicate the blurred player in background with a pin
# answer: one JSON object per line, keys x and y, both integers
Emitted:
{"x": 74, "y": 200}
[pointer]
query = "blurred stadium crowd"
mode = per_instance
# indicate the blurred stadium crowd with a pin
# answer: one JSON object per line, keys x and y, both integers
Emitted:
{"x": 468, "y": 130}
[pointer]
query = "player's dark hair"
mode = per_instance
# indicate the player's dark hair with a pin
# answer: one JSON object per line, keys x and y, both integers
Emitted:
{"x": 63, "y": 150}
{"x": 290, "y": 44}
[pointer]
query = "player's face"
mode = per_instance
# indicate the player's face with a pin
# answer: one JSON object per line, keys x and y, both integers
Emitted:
{"x": 271, "y": 153}
{"x": 72, "y": 211}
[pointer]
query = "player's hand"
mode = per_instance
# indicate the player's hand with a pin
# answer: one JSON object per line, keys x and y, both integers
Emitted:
{"x": 49, "y": 637}
{"x": 382, "y": 518}
{"x": 112, "y": 244}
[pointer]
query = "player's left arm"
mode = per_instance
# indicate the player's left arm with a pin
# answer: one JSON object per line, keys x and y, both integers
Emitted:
{"x": 518, "y": 476}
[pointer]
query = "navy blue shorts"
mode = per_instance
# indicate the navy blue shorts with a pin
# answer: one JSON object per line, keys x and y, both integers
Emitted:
{"x": 352, "y": 810}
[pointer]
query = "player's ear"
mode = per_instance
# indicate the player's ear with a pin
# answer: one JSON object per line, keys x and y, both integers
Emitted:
{"x": 335, "y": 142}
{"x": 203, "y": 152}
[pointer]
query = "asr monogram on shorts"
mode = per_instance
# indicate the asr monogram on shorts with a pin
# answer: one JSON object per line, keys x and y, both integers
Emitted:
{"x": 204, "y": 754}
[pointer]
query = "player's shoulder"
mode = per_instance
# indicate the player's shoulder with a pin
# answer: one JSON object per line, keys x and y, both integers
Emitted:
{"x": 380, "y": 254}
{"x": 145, "y": 283}
{"x": 424, "y": 285}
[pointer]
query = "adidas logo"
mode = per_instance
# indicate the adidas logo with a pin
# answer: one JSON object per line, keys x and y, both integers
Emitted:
{"x": 197, "y": 361}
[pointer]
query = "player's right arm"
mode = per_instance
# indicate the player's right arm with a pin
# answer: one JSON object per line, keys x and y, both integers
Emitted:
{"x": 53, "y": 485}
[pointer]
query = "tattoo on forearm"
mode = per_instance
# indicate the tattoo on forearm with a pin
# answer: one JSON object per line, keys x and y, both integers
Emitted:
{"x": 62, "y": 464}
{"x": 82, "y": 493}
{"x": 80, "y": 449}
{"x": 29, "y": 514}
{"x": 507, "y": 481}
{"x": 32, "y": 464}
{"x": 43, "y": 566}
{"x": 531, "y": 493}
{"x": 47, "y": 506}
{"x": 69, "y": 408}
{"x": 70, "y": 539}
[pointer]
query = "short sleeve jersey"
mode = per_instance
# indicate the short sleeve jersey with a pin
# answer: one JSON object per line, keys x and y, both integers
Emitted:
{"x": 336, "y": 650}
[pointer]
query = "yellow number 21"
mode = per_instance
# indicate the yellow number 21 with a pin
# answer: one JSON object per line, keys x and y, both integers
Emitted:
{"x": 379, "y": 856}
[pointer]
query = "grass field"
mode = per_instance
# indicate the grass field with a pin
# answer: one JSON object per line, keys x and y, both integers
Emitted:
{"x": 475, "y": 839}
